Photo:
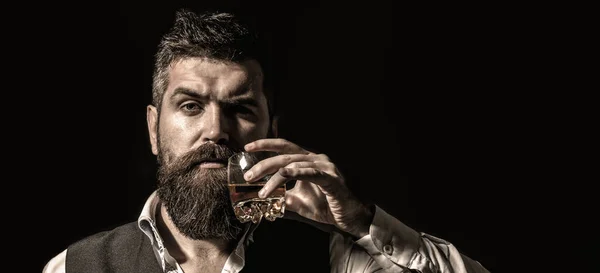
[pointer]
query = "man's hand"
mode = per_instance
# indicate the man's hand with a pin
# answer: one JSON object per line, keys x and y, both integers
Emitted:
{"x": 320, "y": 193}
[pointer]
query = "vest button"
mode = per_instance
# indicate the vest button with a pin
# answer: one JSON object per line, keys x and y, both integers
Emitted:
{"x": 388, "y": 249}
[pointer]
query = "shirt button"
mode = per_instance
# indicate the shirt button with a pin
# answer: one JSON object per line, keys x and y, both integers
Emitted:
{"x": 388, "y": 249}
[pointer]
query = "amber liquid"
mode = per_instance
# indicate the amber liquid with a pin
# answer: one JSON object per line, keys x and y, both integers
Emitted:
{"x": 249, "y": 207}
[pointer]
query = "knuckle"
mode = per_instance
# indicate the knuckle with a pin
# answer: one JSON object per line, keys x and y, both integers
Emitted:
{"x": 323, "y": 157}
{"x": 285, "y": 172}
{"x": 259, "y": 143}
{"x": 257, "y": 168}
{"x": 287, "y": 159}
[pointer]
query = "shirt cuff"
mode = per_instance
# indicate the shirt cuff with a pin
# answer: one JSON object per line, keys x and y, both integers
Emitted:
{"x": 391, "y": 238}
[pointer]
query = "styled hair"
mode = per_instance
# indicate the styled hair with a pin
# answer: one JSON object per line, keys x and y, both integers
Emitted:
{"x": 224, "y": 36}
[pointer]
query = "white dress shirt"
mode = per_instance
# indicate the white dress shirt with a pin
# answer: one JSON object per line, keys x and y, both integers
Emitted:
{"x": 390, "y": 246}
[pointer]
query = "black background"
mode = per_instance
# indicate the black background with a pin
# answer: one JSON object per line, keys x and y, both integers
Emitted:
{"x": 421, "y": 107}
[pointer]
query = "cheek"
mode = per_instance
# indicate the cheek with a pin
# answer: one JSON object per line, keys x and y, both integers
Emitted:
{"x": 175, "y": 136}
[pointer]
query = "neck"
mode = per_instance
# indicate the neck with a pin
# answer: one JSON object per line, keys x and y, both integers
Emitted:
{"x": 189, "y": 251}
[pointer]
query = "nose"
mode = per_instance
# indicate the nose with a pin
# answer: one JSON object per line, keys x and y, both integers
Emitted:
{"x": 215, "y": 128}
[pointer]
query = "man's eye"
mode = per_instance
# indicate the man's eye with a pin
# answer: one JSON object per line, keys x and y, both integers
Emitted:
{"x": 191, "y": 107}
{"x": 243, "y": 110}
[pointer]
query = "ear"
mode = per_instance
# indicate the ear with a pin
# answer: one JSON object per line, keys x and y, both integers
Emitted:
{"x": 152, "y": 120}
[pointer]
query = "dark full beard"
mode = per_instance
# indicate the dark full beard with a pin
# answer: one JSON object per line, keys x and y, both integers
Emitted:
{"x": 197, "y": 200}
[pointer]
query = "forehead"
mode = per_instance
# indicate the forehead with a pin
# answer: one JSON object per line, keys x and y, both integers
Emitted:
{"x": 211, "y": 75}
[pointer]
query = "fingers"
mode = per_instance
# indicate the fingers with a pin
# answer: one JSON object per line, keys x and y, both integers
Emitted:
{"x": 314, "y": 175}
{"x": 272, "y": 164}
{"x": 292, "y": 163}
{"x": 278, "y": 145}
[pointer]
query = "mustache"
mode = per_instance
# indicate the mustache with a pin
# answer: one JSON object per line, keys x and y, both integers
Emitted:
{"x": 206, "y": 152}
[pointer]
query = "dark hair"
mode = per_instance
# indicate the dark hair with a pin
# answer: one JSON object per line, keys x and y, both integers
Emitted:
{"x": 226, "y": 36}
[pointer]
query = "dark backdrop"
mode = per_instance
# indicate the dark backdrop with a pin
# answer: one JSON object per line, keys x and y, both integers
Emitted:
{"x": 416, "y": 105}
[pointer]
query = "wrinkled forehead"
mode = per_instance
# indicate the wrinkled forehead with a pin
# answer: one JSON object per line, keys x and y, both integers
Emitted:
{"x": 243, "y": 73}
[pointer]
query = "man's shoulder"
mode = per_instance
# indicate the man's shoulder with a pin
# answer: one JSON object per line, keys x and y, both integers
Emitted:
{"x": 127, "y": 231}
{"x": 94, "y": 252}
{"x": 122, "y": 249}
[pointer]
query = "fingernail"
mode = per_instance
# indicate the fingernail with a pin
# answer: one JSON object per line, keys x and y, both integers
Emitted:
{"x": 249, "y": 146}
{"x": 248, "y": 175}
{"x": 261, "y": 193}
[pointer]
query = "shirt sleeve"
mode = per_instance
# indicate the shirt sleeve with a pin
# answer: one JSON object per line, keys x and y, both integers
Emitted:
{"x": 391, "y": 246}
{"x": 56, "y": 264}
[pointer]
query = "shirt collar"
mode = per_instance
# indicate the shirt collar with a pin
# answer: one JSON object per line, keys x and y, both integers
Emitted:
{"x": 147, "y": 223}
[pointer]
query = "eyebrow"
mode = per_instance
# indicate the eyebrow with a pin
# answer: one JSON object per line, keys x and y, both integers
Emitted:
{"x": 237, "y": 100}
{"x": 187, "y": 92}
